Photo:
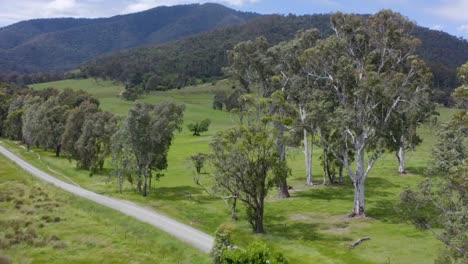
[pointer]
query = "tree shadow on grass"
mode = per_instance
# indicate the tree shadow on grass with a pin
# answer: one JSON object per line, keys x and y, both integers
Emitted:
{"x": 420, "y": 170}
{"x": 181, "y": 193}
{"x": 303, "y": 231}
{"x": 384, "y": 210}
{"x": 375, "y": 187}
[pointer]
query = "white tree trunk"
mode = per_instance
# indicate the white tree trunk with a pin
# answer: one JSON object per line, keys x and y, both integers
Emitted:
{"x": 401, "y": 157}
{"x": 359, "y": 198}
{"x": 359, "y": 178}
{"x": 307, "y": 148}
{"x": 308, "y": 158}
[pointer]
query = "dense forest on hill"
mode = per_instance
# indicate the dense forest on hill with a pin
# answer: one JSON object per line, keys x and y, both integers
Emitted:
{"x": 199, "y": 57}
{"x": 203, "y": 56}
{"x": 43, "y": 45}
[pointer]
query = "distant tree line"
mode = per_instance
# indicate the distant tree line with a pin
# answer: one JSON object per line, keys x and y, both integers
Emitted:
{"x": 22, "y": 79}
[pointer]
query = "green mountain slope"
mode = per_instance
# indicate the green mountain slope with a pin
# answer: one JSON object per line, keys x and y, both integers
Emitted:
{"x": 62, "y": 44}
{"x": 203, "y": 56}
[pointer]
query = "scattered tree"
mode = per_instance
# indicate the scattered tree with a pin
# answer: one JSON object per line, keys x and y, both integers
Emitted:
{"x": 150, "y": 130}
{"x": 245, "y": 161}
{"x": 199, "y": 127}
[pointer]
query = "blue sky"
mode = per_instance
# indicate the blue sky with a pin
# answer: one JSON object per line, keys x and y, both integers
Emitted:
{"x": 447, "y": 15}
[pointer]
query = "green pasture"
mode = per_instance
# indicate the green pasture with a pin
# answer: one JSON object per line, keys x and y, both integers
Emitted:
{"x": 310, "y": 227}
{"x": 42, "y": 224}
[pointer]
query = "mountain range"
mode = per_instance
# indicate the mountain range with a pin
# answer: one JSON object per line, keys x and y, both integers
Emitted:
{"x": 64, "y": 43}
{"x": 180, "y": 44}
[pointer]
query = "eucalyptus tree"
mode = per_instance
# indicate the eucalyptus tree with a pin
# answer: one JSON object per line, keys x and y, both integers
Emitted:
{"x": 251, "y": 60}
{"x": 402, "y": 132}
{"x": 74, "y": 127}
{"x": 460, "y": 95}
{"x": 150, "y": 130}
{"x": 51, "y": 124}
{"x": 13, "y": 125}
{"x": 299, "y": 90}
{"x": 4, "y": 103}
{"x": 369, "y": 68}
{"x": 246, "y": 163}
{"x": 440, "y": 203}
{"x": 94, "y": 143}
{"x": 122, "y": 161}
{"x": 31, "y": 119}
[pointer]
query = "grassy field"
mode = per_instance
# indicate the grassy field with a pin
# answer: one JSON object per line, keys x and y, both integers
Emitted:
{"x": 310, "y": 227}
{"x": 41, "y": 224}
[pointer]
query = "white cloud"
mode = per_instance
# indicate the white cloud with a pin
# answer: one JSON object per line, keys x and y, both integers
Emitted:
{"x": 12, "y": 11}
{"x": 140, "y": 5}
{"x": 463, "y": 29}
{"x": 437, "y": 27}
{"x": 61, "y": 5}
{"x": 455, "y": 10}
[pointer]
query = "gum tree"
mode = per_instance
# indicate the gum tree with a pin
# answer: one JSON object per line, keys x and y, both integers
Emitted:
{"x": 252, "y": 61}
{"x": 246, "y": 162}
{"x": 369, "y": 68}
{"x": 150, "y": 130}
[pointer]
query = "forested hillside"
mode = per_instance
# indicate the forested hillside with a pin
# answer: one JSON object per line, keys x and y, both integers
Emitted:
{"x": 62, "y": 44}
{"x": 203, "y": 56}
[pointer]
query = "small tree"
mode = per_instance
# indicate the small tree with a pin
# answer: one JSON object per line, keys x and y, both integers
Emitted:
{"x": 198, "y": 161}
{"x": 199, "y": 127}
{"x": 246, "y": 162}
{"x": 122, "y": 159}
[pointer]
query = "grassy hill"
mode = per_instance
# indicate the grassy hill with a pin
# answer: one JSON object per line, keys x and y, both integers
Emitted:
{"x": 310, "y": 227}
{"x": 41, "y": 224}
{"x": 61, "y": 44}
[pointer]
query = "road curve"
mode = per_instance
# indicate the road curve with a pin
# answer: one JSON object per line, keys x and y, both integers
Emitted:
{"x": 186, "y": 233}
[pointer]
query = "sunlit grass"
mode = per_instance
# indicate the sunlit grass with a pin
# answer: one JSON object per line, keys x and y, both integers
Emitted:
{"x": 41, "y": 224}
{"x": 310, "y": 227}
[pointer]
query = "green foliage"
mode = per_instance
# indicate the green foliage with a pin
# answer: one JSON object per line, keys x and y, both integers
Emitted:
{"x": 131, "y": 93}
{"x": 94, "y": 143}
{"x": 222, "y": 242}
{"x": 441, "y": 201}
{"x": 74, "y": 127}
{"x": 246, "y": 164}
{"x": 256, "y": 253}
{"x": 150, "y": 131}
{"x": 224, "y": 252}
{"x": 367, "y": 85}
{"x": 13, "y": 125}
{"x": 198, "y": 161}
{"x": 199, "y": 127}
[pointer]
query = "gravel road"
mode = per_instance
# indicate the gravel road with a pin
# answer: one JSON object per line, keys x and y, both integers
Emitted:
{"x": 186, "y": 233}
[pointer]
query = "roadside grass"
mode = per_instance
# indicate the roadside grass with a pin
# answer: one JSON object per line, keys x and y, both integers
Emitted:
{"x": 310, "y": 227}
{"x": 42, "y": 224}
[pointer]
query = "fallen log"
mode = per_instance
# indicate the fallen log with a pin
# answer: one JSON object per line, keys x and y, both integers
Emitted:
{"x": 358, "y": 242}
